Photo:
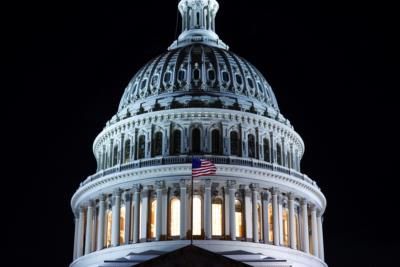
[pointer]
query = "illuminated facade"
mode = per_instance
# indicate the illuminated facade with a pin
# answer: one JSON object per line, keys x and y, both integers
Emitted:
{"x": 199, "y": 100}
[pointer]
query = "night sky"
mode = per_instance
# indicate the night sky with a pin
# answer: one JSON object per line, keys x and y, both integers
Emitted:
{"x": 329, "y": 63}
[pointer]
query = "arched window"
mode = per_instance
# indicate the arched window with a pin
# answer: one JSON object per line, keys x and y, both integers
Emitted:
{"x": 271, "y": 223}
{"x": 285, "y": 218}
{"x": 175, "y": 221}
{"x": 234, "y": 143}
{"x": 196, "y": 140}
{"x": 259, "y": 223}
{"x": 176, "y": 142}
{"x": 157, "y": 144}
{"x": 141, "y": 147}
{"x": 215, "y": 142}
{"x": 107, "y": 238}
{"x": 115, "y": 156}
{"x": 153, "y": 219}
{"x": 122, "y": 224}
{"x": 278, "y": 154}
{"x": 127, "y": 156}
{"x": 197, "y": 218}
{"x": 239, "y": 218}
{"x": 267, "y": 156}
{"x": 216, "y": 217}
{"x": 251, "y": 144}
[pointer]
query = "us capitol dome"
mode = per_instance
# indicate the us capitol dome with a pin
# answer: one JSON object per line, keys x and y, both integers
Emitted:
{"x": 198, "y": 100}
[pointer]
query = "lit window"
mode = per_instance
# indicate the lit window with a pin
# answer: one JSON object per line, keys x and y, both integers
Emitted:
{"x": 216, "y": 217}
{"x": 108, "y": 228}
{"x": 239, "y": 218}
{"x": 285, "y": 227}
{"x": 196, "y": 215}
{"x": 175, "y": 223}
{"x": 122, "y": 225}
{"x": 271, "y": 222}
{"x": 153, "y": 215}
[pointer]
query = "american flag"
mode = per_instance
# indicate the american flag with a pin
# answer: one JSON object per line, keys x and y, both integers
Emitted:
{"x": 202, "y": 167}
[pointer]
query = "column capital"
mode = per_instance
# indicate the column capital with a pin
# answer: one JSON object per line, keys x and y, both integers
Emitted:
{"x": 275, "y": 191}
{"x": 183, "y": 184}
{"x": 137, "y": 188}
{"x": 313, "y": 207}
{"x": 102, "y": 197}
{"x": 266, "y": 195}
{"x": 254, "y": 187}
{"x": 291, "y": 196}
{"x": 90, "y": 203}
{"x": 303, "y": 201}
{"x": 160, "y": 185}
{"x": 207, "y": 183}
{"x": 127, "y": 196}
{"x": 231, "y": 184}
{"x": 319, "y": 213}
{"x": 117, "y": 192}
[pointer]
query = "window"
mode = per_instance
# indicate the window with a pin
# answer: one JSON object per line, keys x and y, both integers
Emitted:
{"x": 115, "y": 156}
{"x": 225, "y": 76}
{"x": 196, "y": 140}
{"x": 141, "y": 147}
{"x": 239, "y": 79}
{"x": 143, "y": 84}
{"x": 215, "y": 142}
{"x": 181, "y": 75}
{"x": 108, "y": 228}
{"x": 239, "y": 218}
{"x": 176, "y": 142}
{"x": 285, "y": 218}
{"x": 122, "y": 225}
{"x": 278, "y": 154}
{"x": 167, "y": 77}
{"x": 196, "y": 74}
{"x": 157, "y": 144}
{"x": 251, "y": 146}
{"x": 196, "y": 224}
{"x": 153, "y": 219}
{"x": 271, "y": 223}
{"x": 216, "y": 217}
{"x": 127, "y": 156}
{"x": 250, "y": 82}
{"x": 267, "y": 156}
{"x": 211, "y": 75}
{"x": 175, "y": 212}
{"x": 234, "y": 143}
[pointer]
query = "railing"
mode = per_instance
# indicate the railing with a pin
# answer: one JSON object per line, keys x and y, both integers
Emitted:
{"x": 186, "y": 159}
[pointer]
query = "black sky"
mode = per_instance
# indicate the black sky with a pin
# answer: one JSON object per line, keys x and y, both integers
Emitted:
{"x": 330, "y": 65}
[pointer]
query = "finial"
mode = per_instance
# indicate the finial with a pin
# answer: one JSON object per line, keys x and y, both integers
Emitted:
{"x": 198, "y": 24}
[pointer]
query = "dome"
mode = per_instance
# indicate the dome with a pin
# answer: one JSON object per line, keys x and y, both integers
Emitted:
{"x": 199, "y": 75}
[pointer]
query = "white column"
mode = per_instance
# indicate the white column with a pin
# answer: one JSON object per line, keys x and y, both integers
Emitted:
{"x": 248, "y": 213}
{"x": 207, "y": 209}
{"x": 275, "y": 210}
{"x": 292, "y": 222}
{"x": 266, "y": 197}
{"x": 280, "y": 218}
{"x": 183, "y": 218}
{"x": 136, "y": 212}
{"x": 128, "y": 208}
{"x": 254, "y": 195}
{"x": 160, "y": 185}
{"x": 314, "y": 230}
{"x": 81, "y": 231}
{"x": 101, "y": 220}
{"x": 320, "y": 238}
{"x": 76, "y": 220}
{"x": 232, "y": 221}
{"x": 144, "y": 215}
{"x": 164, "y": 230}
{"x": 89, "y": 228}
{"x": 304, "y": 217}
{"x": 116, "y": 210}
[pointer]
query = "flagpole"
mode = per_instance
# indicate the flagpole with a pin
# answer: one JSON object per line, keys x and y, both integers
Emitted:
{"x": 191, "y": 214}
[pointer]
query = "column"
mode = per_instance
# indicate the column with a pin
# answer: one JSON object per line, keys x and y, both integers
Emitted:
{"x": 292, "y": 222}
{"x": 144, "y": 214}
{"x": 275, "y": 210}
{"x": 183, "y": 219}
{"x": 207, "y": 209}
{"x": 314, "y": 230}
{"x": 101, "y": 221}
{"x": 128, "y": 208}
{"x": 248, "y": 213}
{"x": 89, "y": 228}
{"x": 116, "y": 210}
{"x": 81, "y": 231}
{"x": 166, "y": 139}
{"x": 304, "y": 217}
{"x": 254, "y": 195}
{"x": 280, "y": 218}
{"x": 232, "y": 221}
{"x": 266, "y": 197}
{"x": 320, "y": 237}
{"x": 76, "y": 220}
{"x": 136, "y": 212}
{"x": 160, "y": 185}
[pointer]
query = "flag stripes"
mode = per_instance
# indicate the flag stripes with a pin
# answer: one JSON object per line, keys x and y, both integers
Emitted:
{"x": 202, "y": 167}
